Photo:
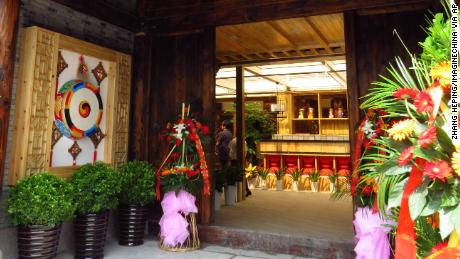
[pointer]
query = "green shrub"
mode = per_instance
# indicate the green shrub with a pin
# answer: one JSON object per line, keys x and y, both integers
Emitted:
{"x": 137, "y": 183}
{"x": 96, "y": 188}
{"x": 41, "y": 199}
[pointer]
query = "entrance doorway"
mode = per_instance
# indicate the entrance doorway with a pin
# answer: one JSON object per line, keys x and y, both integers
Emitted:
{"x": 294, "y": 72}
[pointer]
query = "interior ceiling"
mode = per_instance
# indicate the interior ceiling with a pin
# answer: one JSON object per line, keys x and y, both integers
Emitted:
{"x": 299, "y": 76}
{"x": 306, "y": 37}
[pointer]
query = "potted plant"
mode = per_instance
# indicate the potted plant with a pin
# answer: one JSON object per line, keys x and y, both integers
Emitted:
{"x": 219, "y": 188}
{"x": 263, "y": 173}
{"x": 279, "y": 179}
{"x": 251, "y": 175}
{"x": 137, "y": 191}
{"x": 333, "y": 181}
{"x": 239, "y": 183}
{"x": 295, "y": 173}
{"x": 38, "y": 205}
{"x": 230, "y": 187}
{"x": 314, "y": 178}
{"x": 96, "y": 189}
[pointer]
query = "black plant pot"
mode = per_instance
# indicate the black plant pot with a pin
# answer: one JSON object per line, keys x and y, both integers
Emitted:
{"x": 132, "y": 219}
{"x": 90, "y": 234}
{"x": 38, "y": 241}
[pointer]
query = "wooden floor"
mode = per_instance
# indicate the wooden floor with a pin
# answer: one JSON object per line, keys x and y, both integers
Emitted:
{"x": 303, "y": 214}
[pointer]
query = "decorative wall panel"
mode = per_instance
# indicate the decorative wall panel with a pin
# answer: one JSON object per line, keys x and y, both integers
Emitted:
{"x": 73, "y": 105}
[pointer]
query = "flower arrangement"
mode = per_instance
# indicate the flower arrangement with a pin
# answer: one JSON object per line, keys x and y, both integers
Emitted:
{"x": 184, "y": 167}
{"x": 280, "y": 173}
{"x": 263, "y": 173}
{"x": 314, "y": 176}
{"x": 333, "y": 177}
{"x": 251, "y": 171}
{"x": 181, "y": 175}
{"x": 409, "y": 165}
{"x": 296, "y": 173}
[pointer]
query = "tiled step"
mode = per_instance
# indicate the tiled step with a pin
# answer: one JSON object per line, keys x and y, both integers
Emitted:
{"x": 272, "y": 242}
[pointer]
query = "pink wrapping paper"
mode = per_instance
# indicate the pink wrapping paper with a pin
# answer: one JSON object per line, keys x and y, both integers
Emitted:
{"x": 371, "y": 235}
{"x": 174, "y": 227}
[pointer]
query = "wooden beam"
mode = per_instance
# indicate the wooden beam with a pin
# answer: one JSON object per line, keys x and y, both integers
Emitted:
{"x": 319, "y": 57}
{"x": 275, "y": 26}
{"x": 190, "y": 14}
{"x": 319, "y": 37}
{"x": 105, "y": 12}
{"x": 336, "y": 76}
{"x": 9, "y": 13}
{"x": 272, "y": 78}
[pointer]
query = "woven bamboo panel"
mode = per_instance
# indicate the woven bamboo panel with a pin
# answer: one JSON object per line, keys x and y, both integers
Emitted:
{"x": 35, "y": 103}
{"x": 34, "y": 115}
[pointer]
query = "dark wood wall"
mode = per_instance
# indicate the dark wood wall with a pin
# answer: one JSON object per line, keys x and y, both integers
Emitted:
{"x": 179, "y": 66}
{"x": 371, "y": 45}
{"x": 9, "y": 13}
{"x": 169, "y": 70}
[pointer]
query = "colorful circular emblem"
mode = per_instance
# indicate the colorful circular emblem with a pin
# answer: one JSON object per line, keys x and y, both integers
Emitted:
{"x": 78, "y": 109}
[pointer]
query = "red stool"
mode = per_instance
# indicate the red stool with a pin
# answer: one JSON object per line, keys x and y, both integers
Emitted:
{"x": 290, "y": 162}
{"x": 325, "y": 166}
{"x": 308, "y": 164}
{"x": 343, "y": 166}
{"x": 273, "y": 163}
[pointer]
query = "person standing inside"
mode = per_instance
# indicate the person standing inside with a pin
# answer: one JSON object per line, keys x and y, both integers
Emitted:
{"x": 223, "y": 139}
{"x": 233, "y": 158}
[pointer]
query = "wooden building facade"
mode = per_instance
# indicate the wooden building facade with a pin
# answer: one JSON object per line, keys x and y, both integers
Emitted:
{"x": 174, "y": 58}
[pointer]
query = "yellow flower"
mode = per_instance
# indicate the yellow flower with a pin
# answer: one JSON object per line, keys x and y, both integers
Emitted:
{"x": 250, "y": 171}
{"x": 442, "y": 72}
{"x": 402, "y": 130}
{"x": 456, "y": 160}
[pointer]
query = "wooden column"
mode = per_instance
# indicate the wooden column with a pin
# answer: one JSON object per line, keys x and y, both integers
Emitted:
{"x": 139, "y": 127}
{"x": 240, "y": 127}
{"x": 9, "y": 12}
{"x": 352, "y": 75}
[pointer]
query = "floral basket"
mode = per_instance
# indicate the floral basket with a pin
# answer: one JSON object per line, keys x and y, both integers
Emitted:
{"x": 179, "y": 232}
{"x": 192, "y": 242}
{"x": 182, "y": 174}
{"x": 406, "y": 171}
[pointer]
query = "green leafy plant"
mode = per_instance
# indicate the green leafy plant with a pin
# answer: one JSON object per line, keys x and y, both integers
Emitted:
{"x": 232, "y": 174}
{"x": 220, "y": 180}
{"x": 251, "y": 171}
{"x": 178, "y": 182}
{"x": 280, "y": 173}
{"x": 296, "y": 173}
{"x": 314, "y": 176}
{"x": 40, "y": 199}
{"x": 333, "y": 177}
{"x": 263, "y": 173}
{"x": 259, "y": 124}
{"x": 137, "y": 183}
{"x": 97, "y": 187}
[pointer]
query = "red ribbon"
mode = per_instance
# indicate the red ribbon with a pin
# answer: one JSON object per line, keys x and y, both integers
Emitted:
{"x": 358, "y": 148}
{"x": 405, "y": 234}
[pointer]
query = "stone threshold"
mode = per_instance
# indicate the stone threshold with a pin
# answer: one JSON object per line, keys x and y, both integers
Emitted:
{"x": 279, "y": 243}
